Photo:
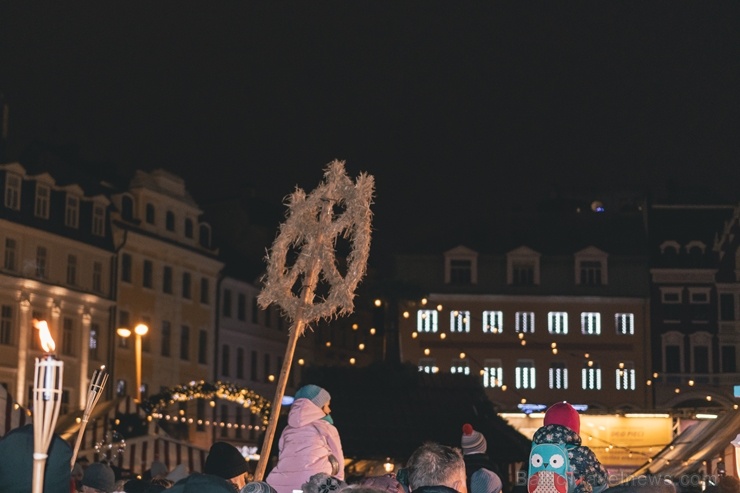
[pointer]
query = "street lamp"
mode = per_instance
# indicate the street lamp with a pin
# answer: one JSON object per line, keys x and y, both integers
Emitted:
{"x": 139, "y": 330}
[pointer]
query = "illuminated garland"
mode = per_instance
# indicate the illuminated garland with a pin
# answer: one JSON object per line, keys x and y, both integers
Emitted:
{"x": 249, "y": 399}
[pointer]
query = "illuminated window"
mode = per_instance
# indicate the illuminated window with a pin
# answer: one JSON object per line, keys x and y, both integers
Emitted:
{"x": 625, "y": 323}
{"x": 428, "y": 365}
{"x": 558, "y": 375}
{"x": 524, "y": 376}
{"x": 93, "y": 342}
{"x": 493, "y": 322}
{"x": 427, "y": 321}
{"x": 72, "y": 211}
{"x": 41, "y": 205}
{"x": 557, "y": 322}
{"x": 493, "y": 373}
{"x": 459, "y": 321}
{"x": 590, "y": 323}
{"x": 13, "y": 191}
{"x": 460, "y": 366}
{"x": 591, "y": 376}
{"x": 625, "y": 376}
{"x": 525, "y": 322}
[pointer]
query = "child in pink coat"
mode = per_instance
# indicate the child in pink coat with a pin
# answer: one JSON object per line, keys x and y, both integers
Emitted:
{"x": 309, "y": 444}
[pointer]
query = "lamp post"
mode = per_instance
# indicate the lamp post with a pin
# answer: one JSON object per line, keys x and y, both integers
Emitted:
{"x": 139, "y": 330}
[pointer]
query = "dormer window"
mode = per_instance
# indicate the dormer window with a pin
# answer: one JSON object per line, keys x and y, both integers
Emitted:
{"x": 205, "y": 236}
{"x": 98, "y": 220}
{"x": 591, "y": 267}
{"x": 461, "y": 266}
{"x": 41, "y": 204}
{"x": 13, "y": 191}
{"x": 523, "y": 267}
{"x": 72, "y": 211}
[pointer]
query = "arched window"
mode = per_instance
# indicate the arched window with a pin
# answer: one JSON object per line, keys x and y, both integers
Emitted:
{"x": 127, "y": 208}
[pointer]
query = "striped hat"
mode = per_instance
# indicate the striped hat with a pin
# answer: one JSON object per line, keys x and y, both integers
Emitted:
{"x": 472, "y": 442}
{"x": 313, "y": 393}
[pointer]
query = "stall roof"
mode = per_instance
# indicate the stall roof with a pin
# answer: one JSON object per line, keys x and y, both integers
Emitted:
{"x": 700, "y": 442}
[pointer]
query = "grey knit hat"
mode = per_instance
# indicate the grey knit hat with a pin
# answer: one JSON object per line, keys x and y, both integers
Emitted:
{"x": 472, "y": 442}
{"x": 313, "y": 393}
{"x": 99, "y": 476}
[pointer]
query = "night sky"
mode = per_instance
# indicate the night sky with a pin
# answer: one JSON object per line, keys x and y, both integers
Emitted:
{"x": 455, "y": 107}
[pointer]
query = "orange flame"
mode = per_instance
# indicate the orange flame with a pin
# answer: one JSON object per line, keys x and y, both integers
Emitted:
{"x": 46, "y": 340}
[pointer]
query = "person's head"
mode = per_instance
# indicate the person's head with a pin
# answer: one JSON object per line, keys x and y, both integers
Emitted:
{"x": 563, "y": 414}
{"x": 729, "y": 484}
{"x": 225, "y": 461}
{"x": 472, "y": 442}
{"x": 433, "y": 464}
{"x": 323, "y": 483}
{"x": 16, "y": 451}
{"x": 202, "y": 483}
{"x": 257, "y": 487}
{"x": 315, "y": 394}
{"x": 98, "y": 478}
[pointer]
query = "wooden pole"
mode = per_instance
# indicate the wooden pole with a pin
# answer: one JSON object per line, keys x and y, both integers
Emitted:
{"x": 308, "y": 294}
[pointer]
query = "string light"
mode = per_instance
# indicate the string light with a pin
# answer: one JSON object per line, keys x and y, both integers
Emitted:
{"x": 249, "y": 399}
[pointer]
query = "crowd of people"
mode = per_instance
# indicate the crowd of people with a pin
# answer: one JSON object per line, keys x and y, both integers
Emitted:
{"x": 310, "y": 460}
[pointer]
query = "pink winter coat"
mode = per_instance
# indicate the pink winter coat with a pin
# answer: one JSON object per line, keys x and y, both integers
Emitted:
{"x": 304, "y": 448}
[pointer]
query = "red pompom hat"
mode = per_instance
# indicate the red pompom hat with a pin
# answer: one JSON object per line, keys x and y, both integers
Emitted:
{"x": 563, "y": 414}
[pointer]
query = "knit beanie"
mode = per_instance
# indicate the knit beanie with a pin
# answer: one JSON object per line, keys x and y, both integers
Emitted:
{"x": 313, "y": 393}
{"x": 563, "y": 414}
{"x": 16, "y": 451}
{"x": 484, "y": 481}
{"x": 257, "y": 487}
{"x": 225, "y": 461}
{"x": 472, "y": 442}
{"x": 99, "y": 476}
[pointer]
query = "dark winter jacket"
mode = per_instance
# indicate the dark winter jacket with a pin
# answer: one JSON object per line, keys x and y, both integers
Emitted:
{"x": 590, "y": 475}
{"x": 434, "y": 489}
